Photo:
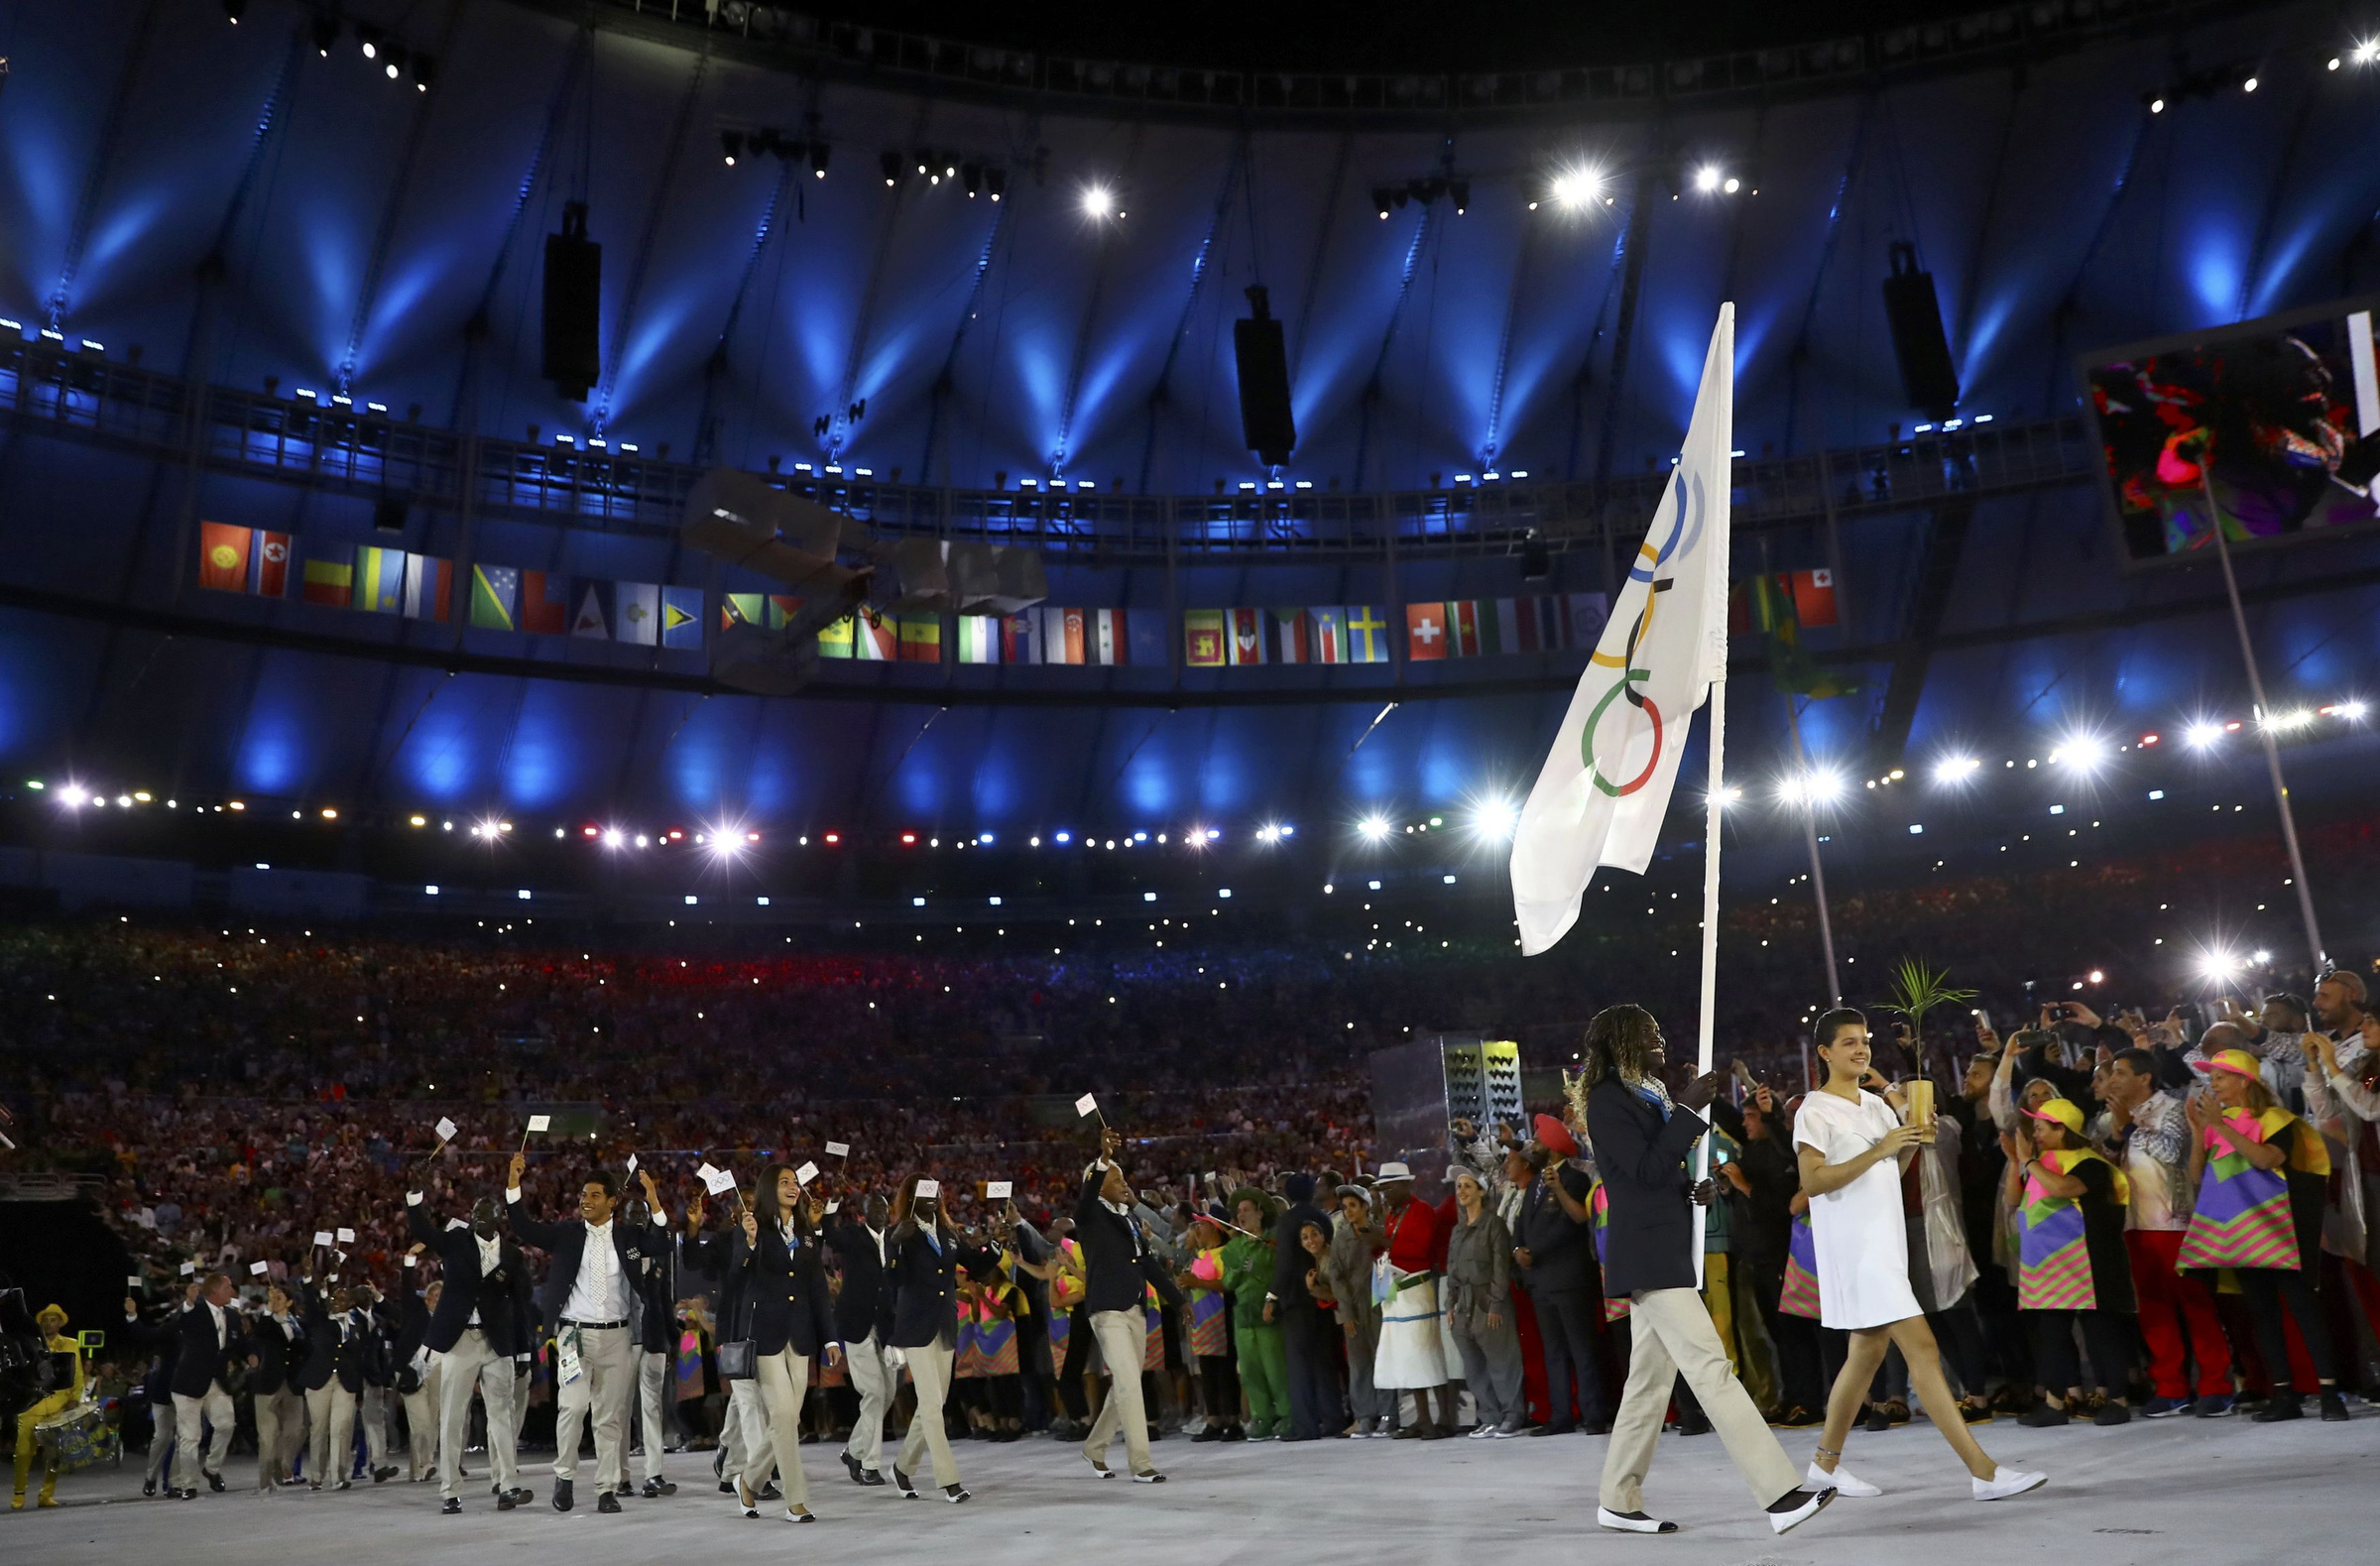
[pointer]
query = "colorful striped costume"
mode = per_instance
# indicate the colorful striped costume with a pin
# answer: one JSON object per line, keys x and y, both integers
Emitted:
{"x": 1800, "y": 1295}
{"x": 2052, "y": 1257}
{"x": 1210, "y": 1324}
{"x": 2243, "y": 1216}
{"x": 1598, "y": 1209}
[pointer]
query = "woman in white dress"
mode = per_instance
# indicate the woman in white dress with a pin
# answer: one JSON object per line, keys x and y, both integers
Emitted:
{"x": 1854, "y": 1148}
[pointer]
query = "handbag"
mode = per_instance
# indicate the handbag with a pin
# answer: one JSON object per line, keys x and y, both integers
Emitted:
{"x": 735, "y": 1356}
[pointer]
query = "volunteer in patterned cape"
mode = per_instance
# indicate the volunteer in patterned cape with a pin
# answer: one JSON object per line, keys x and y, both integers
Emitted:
{"x": 2262, "y": 1176}
{"x": 2072, "y": 1271}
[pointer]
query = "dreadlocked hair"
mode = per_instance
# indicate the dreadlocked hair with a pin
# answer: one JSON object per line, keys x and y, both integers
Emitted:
{"x": 1618, "y": 1043}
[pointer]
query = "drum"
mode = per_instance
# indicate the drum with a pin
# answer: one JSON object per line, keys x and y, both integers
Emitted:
{"x": 75, "y": 1439}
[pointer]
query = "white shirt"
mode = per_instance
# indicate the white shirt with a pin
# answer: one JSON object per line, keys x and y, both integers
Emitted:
{"x": 600, "y": 1291}
{"x": 216, "y": 1311}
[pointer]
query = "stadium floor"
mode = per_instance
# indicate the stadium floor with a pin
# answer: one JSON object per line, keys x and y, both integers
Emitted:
{"x": 2176, "y": 1489}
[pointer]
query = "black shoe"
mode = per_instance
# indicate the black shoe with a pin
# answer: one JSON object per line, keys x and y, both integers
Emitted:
{"x": 1209, "y": 1433}
{"x": 381, "y": 1475}
{"x": 2334, "y": 1407}
{"x": 454, "y": 1508}
{"x": 2041, "y": 1416}
{"x": 2114, "y": 1413}
{"x": 859, "y": 1475}
{"x": 657, "y": 1487}
{"x": 769, "y": 1491}
{"x": 1597, "y": 1427}
{"x": 1234, "y": 1433}
{"x": 718, "y": 1466}
{"x": 2280, "y": 1408}
{"x": 954, "y": 1493}
{"x": 727, "y": 1486}
{"x": 214, "y": 1482}
{"x": 1878, "y": 1420}
{"x": 183, "y": 1494}
{"x": 1553, "y": 1429}
{"x": 521, "y": 1495}
{"x": 562, "y": 1495}
{"x": 606, "y": 1502}
{"x": 148, "y": 1487}
{"x": 1693, "y": 1424}
{"x": 504, "y": 1502}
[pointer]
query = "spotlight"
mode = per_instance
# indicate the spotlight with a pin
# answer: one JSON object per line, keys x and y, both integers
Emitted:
{"x": 1706, "y": 179}
{"x": 889, "y": 162}
{"x": 2261, "y": 959}
{"x": 1383, "y": 200}
{"x": 72, "y": 797}
{"x": 819, "y": 153}
{"x": 326, "y": 33}
{"x": 1815, "y": 786}
{"x": 2201, "y": 734}
{"x": 731, "y": 146}
{"x": 2248, "y": 85}
{"x": 1575, "y": 188}
{"x": 1459, "y": 191}
{"x": 425, "y": 69}
{"x": 1955, "y": 768}
{"x": 1496, "y": 820}
{"x": 2366, "y": 52}
{"x": 393, "y": 62}
{"x": 2352, "y": 711}
{"x": 2156, "y": 105}
{"x": 2218, "y": 967}
{"x": 2097, "y": 976}
{"x": 368, "y": 36}
{"x": 995, "y": 183}
{"x": 1097, "y": 201}
{"x": 1730, "y": 185}
{"x": 233, "y": 10}
{"x": 613, "y": 837}
{"x": 971, "y": 179}
{"x": 2294, "y": 718}
{"x": 1374, "y": 827}
{"x": 2082, "y": 751}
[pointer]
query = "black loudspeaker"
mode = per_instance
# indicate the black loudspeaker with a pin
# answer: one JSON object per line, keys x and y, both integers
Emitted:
{"x": 1267, "y": 424}
{"x": 1914, "y": 316}
{"x": 573, "y": 305}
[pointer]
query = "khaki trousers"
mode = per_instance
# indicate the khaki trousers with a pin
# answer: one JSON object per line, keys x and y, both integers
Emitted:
{"x": 472, "y": 1363}
{"x": 929, "y": 1373}
{"x": 280, "y": 1431}
{"x": 783, "y": 1379}
{"x": 422, "y": 1423}
{"x": 216, "y": 1411}
{"x": 607, "y": 1379}
{"x": 876, "y": 1380}
{"x": 653, "y": 1377}
{"x": 751, "y": 1454}
{"x": 1122, "y": 1339}
{"x": 1670, "y": 1335}
{"x": 330, "y": 1423}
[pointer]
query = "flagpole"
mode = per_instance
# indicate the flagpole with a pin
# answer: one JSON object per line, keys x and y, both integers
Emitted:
{"x": 1714, "y": 803}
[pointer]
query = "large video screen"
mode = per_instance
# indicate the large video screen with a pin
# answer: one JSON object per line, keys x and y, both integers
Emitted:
{"x": 2269, "y": 429}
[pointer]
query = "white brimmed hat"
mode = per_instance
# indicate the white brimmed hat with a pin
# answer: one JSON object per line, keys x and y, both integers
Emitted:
{"x": 1394, "y": 1169}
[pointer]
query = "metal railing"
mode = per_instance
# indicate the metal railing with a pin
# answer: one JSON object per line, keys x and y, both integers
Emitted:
{"x": 797, "y": 39}
{"x": 334, "y": 443}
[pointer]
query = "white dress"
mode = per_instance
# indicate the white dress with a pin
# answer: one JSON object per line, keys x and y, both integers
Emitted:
{"x": 1861, "y": 1239}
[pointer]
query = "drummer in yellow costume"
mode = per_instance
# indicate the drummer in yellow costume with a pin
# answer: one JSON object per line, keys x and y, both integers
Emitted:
{"x": 53, "y": 1324}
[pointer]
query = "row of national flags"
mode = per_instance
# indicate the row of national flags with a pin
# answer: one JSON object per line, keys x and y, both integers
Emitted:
{"x": 373, "y": 579}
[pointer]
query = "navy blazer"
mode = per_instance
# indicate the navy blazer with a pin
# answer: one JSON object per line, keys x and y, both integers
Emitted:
{"x": 200, "y": 1361}
{"x": 1648, "y": 1236}
{"x": 1560, "y": 1252}
{"x": 790, "y": 1306}
{"x": 925, "y": 1285}
{"x": 565, "y": 1246}
{"x": 279, "y": 1354}
{"x": 500, "y": 1297}
{"x": 866, "y": 1304}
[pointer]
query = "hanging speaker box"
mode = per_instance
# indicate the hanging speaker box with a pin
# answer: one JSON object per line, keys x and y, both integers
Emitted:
{"x": 573, "y": 305}
{"x": 1928, "y": 377}
{"x": 1266, "y": 420}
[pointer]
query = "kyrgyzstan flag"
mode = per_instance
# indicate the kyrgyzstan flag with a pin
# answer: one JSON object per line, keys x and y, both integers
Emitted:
{"x": 223, "y": 556}
{"x": 1425, "y": 631}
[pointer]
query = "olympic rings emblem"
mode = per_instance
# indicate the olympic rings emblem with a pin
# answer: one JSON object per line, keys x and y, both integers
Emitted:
{"x": 1689, "y": 491}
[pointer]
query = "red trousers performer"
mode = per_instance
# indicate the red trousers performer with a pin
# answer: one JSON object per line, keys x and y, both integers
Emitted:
{"x": 2176, "y": 1312}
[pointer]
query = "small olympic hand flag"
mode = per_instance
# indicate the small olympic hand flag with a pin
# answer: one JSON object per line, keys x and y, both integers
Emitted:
{"x": 806, "y": 1174}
